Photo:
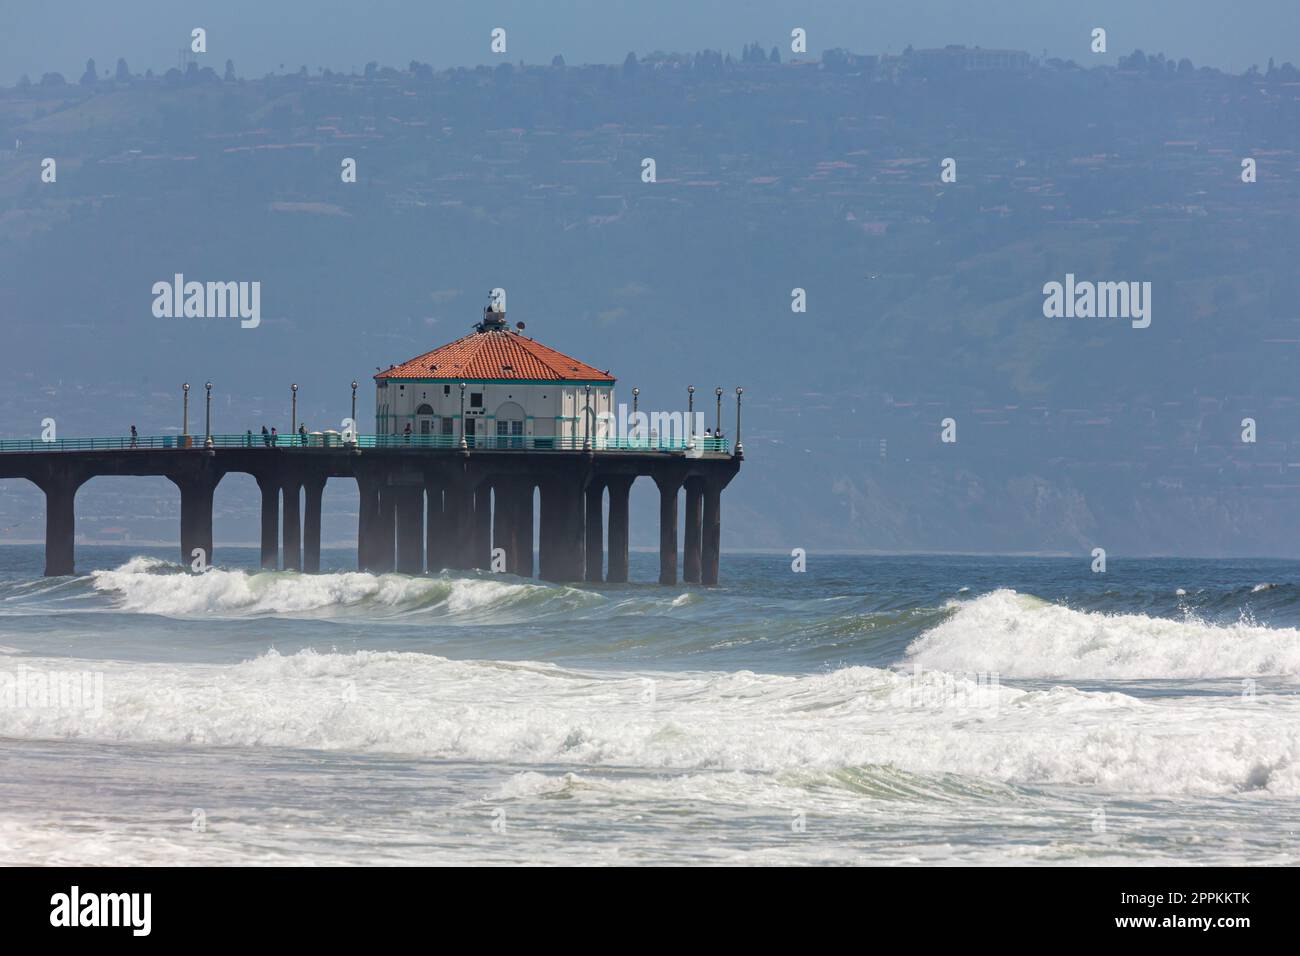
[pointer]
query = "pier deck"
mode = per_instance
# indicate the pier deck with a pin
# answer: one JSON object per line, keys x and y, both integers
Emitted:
{"x": 425, "y": 502}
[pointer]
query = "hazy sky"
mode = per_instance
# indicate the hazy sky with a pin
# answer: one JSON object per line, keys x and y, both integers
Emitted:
{"x": 260, "y": 35}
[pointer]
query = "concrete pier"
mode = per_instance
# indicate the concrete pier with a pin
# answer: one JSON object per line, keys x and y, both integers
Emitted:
{"x": 545, "y": 534}
{"x": 562, "y": 531}
{"x": 434, "y": 528}
{"x": 367, "y": 521}
{"x": 523, "y": 536}
{"x": 458, "y": 517}
{"x": 409, "y": 503}
{"x": 512, "y": 524}
{"x": 313, "y": 490}
{"x": 291, "y": 524}
{"x": 691, "y": 546}
{"x": 270, "y": 489}
{"x": 384, "y": 558}
{"x": 60, "y": 522}
{"x": 712, "y": 536}
{"x": 419, "y": 509}
{"x": 668, "y": 487}
{"x": 619, "y": 489}
{"x": 481, "y": 538}
{"x": 595, "y": 541}
{"x": 196, "y": 518}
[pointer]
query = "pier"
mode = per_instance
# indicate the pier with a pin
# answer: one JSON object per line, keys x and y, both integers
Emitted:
{"x": 466, "y": 436}
{"x": 425, "y": 502}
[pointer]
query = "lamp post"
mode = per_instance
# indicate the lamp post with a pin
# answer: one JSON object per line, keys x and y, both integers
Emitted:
{"x": 207, "y": 422}
{"x": 740, "y": 449}
{"x": 636, "y": 395}
{"x": 718, "y": 392}
{"x": 185, "y": 413}
{"x": 690, "y": 416}
{"x": 293, "y": 414}
{"x": 586, "y": 423}
{"x": 463, "y": 442}
{"x": 354, "y": 412}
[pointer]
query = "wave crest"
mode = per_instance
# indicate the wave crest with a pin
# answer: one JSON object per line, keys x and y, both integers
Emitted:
{"x": 1018, "y": 635}
{"x": 152, "y": 586}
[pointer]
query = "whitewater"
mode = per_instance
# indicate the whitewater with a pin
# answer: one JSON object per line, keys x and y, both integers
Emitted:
{"x": 895, "y": 710}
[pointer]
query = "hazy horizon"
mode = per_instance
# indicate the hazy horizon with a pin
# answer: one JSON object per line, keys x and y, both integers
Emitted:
{"x": 61, "y": 36}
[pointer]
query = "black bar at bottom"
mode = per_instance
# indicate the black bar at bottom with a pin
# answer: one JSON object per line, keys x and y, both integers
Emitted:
{"x": 1226, "y": 906}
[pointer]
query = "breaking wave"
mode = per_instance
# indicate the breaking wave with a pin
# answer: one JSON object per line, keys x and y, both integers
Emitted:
{"x": 1018, "y": 635}
{"x": 152, "y": 586}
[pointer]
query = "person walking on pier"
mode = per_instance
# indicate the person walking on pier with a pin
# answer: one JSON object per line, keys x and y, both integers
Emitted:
{"x": 302, "y": 434}
{"x": 275, "y": 437}
{"x": 406, "y": 433}
{"x": 135, "y": 438}
{"x": 266, "y": 437}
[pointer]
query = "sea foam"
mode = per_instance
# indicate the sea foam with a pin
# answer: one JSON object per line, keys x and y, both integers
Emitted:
{"x": 541, "y": 714}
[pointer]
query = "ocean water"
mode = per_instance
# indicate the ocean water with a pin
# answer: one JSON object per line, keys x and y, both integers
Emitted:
{"x": 882, "y": 710}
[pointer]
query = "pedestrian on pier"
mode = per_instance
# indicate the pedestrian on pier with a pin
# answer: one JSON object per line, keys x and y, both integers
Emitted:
{"x": 302, "y": 434}
{"x": 135, "y": 438}
{"x": 275, "y": 437}
{"x": 266, "y": 437}
{"x": 406, "y": 433}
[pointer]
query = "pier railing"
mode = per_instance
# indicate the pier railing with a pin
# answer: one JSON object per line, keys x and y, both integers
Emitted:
{"x": 330, "y": 439}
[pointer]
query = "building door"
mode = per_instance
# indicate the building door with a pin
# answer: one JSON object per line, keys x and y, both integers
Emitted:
{"x": 424, "y": 416}
{"x": 469, "y": 431}
{"x": 510, "y": 434}
{"x": 510, "y": 425}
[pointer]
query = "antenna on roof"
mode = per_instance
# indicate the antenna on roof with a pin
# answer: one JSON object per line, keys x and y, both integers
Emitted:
{"x": 494, "y": 313}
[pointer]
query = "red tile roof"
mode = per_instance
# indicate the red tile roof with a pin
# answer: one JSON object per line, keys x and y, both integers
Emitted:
{"x": 495, "y": 354}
